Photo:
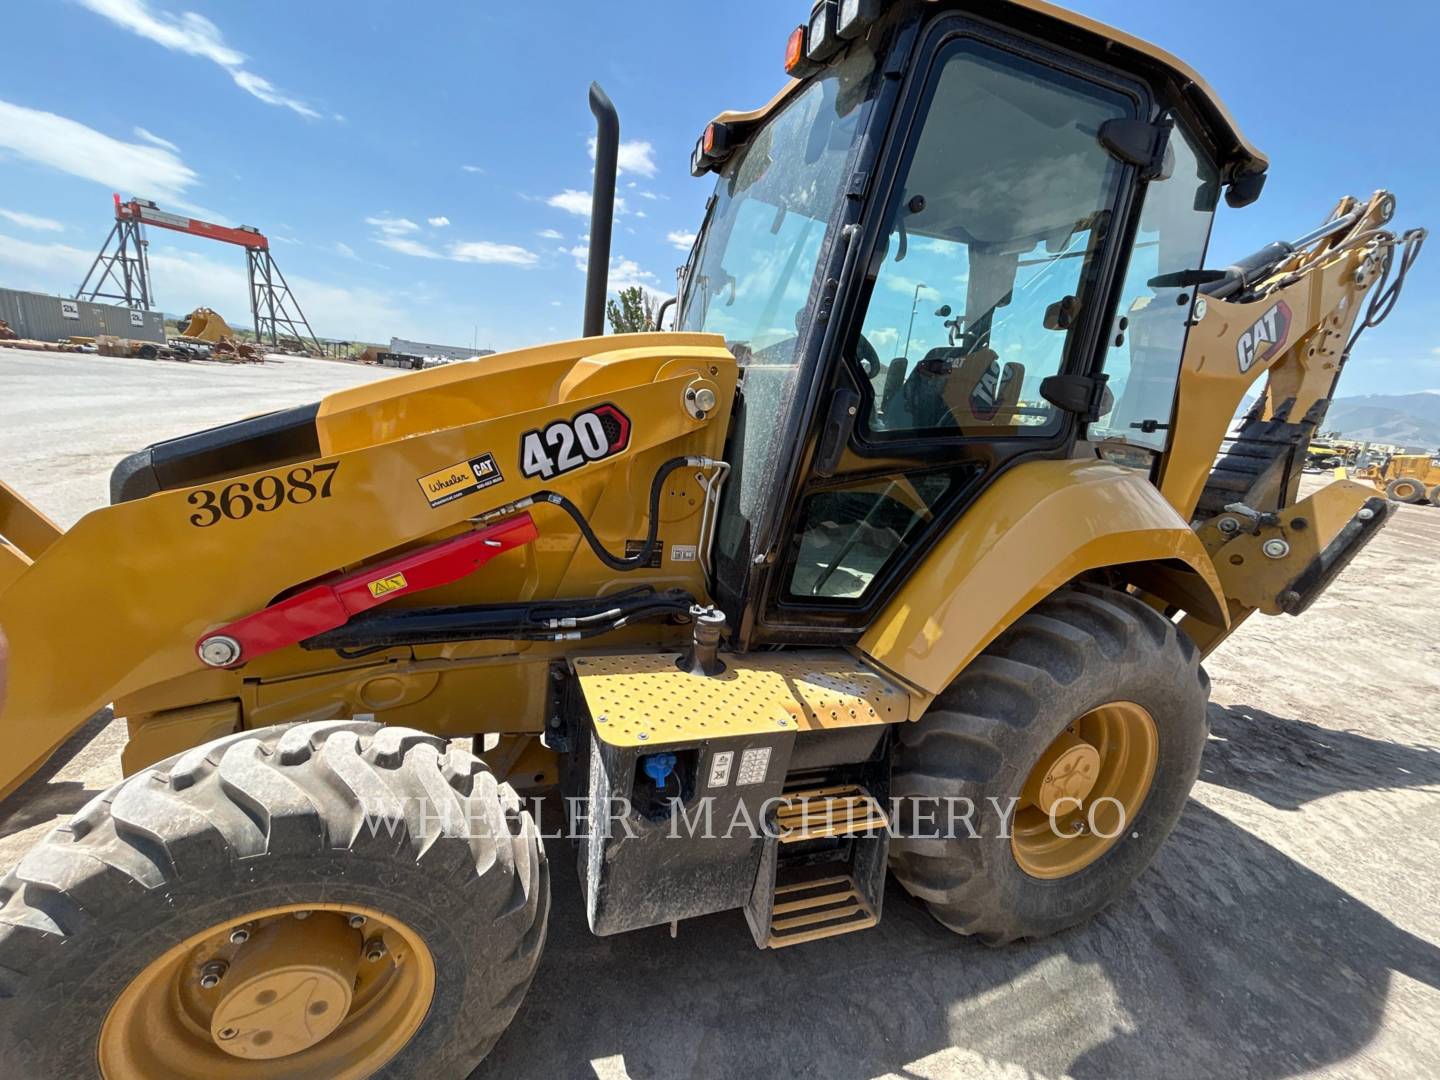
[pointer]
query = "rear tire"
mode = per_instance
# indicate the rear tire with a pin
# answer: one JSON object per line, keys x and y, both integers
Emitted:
{"x": 1435, "y": 495}
{"x": 1405, "y": 489}
{"x": 1077, "y": 651}
{"x": 271, "y": 819}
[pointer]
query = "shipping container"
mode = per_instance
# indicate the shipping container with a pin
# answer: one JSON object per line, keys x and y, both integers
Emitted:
{"x": 41, "y": 317}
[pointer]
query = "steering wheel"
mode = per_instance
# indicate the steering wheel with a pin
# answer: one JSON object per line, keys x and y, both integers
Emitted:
{"x": 868, "y": 357}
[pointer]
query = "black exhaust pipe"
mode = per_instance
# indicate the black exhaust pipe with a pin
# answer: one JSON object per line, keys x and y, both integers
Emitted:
{"x": 602, "y": 209}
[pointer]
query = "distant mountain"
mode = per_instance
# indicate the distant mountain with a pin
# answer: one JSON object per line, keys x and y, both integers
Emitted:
{"x": 1408, "y": 420}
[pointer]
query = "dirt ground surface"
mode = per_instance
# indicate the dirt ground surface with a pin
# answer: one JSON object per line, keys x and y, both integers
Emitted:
{"x": 1291, "y": 926}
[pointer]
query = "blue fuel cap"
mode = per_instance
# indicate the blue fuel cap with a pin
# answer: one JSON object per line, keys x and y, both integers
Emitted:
{"x": 659, "y": 767}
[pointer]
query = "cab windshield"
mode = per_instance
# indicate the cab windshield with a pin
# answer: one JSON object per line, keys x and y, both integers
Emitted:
{"x": 750, "y": 276}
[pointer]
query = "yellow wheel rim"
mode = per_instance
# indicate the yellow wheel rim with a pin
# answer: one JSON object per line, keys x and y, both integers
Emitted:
{"x": 1084, "y": 790}
{"x": 284, "y": 993}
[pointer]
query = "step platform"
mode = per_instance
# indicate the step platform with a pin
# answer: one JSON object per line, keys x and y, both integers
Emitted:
{"x": 822, "y": 872}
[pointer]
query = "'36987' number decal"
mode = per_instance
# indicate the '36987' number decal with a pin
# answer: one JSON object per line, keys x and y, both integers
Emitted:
{"x": 298, "y": 486}
{"x": 563, "y": 445}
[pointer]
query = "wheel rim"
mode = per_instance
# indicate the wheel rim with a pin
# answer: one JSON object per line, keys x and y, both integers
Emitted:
{"x": 299, "y": 991}
{"x": 1093, "y": 779}
{"x": 1405, "y": 489}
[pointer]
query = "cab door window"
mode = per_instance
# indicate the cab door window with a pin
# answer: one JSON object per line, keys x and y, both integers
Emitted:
{"x": 996, "y": 229}
{"x": 1153, "y": 315}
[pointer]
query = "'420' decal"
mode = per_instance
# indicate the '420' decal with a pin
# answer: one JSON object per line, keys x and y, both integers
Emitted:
{"x": 563, "y": 445}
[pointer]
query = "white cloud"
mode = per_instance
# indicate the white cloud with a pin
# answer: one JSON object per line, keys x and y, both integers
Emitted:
{"x": 625, "y": 273}
{"x": 265, "y": 90}
{"x": 194, "y": 35}
{"x": 71, "y": 147}
{"x": 571, "y": 201}
{"x": 577, "y": 202}
{"x": 32, "y": 221}
{"x": 344, "y": 249}
{"x": 550, "y": 234}
{"x": 392, "y": 226}
{"x": 639, "y": 213}
{"x": 465, "y": 251}
{"x": 155, "y": 140}
{"x": 407, "y": 247}
{"x": 647, "y": 195}
{"x": 634, "y": 157}
{"x": 472, "y": 168}
{"x": 681, "y": 239}
{"x": 483, "y": 251}
{"x": 438, "y": 222}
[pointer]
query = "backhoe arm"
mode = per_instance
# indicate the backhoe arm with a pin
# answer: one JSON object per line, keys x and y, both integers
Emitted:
{"x": 1292, "y": 313}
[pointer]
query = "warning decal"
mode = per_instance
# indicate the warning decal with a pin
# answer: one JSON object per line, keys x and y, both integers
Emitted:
{"x": 386, "y": 585}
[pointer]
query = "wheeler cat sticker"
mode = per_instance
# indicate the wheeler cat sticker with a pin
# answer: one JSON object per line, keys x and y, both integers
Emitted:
{"x": 464, "y": 478}
{"x": 565, "y": 445}
{"x": 1265, "y": 338}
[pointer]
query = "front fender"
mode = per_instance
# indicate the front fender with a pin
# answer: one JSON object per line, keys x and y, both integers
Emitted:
{"x": 1036, "y": 527}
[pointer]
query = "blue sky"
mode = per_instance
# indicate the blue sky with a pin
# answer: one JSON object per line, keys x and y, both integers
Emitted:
{"x": 416, "y": 163}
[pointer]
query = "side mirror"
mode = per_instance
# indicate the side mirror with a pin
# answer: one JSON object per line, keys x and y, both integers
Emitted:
{"x": 1244, "y": 189}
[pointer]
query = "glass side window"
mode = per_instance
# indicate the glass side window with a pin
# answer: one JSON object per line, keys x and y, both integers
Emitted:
{"x": 1153, "y": 314}
{"x": 995, "y": 228}
{"x": 848, "y": 534}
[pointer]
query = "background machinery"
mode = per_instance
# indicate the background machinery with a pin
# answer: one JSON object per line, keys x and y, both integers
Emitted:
{"x": 123, "y": 268}
{"x": 774, "y": 608}
{"x": 1406, "y": 478}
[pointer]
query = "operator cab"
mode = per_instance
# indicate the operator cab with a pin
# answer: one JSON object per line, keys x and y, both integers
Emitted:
{"x": 951, "y": 245}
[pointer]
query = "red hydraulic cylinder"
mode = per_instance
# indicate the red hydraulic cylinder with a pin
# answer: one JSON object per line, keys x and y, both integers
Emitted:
{"x": 332, "y": 602}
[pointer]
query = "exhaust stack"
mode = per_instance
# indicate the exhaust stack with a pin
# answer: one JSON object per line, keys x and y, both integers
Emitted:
{"x": 602, "y": 209}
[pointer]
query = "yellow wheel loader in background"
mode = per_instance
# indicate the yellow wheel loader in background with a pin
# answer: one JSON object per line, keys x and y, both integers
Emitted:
{"x": 927, "y": 595}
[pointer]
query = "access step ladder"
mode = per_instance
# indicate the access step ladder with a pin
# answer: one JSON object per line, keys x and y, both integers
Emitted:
{"x": 822, "y": 872}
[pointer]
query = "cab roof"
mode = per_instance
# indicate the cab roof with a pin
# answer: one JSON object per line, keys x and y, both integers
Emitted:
{"x": 1050, "y": 22}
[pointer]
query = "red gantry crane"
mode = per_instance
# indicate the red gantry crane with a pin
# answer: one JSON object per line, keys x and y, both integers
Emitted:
{"x": 124, "y": 265}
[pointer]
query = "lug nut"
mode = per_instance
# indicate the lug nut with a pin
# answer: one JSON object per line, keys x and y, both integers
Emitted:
{"x": 375, "y": 952}
{"x": 357, "y": 921}
{"x": 240, "y": 936}
{"x": 212, "y": 973}
{"x": 302, "y": 914}
{"x": 1228, "y": 525}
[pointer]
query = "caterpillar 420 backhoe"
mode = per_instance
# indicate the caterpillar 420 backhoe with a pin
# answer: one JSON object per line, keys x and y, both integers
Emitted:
{"x": 902, "y": 548}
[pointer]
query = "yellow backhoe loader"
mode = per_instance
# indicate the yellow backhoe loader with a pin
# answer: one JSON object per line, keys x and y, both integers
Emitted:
{"x": 1406, "y": 478}
{"x": 813, "y": 586}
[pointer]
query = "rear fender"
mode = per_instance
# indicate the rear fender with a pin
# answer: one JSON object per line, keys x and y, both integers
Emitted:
{"x": 1038, "y": 526}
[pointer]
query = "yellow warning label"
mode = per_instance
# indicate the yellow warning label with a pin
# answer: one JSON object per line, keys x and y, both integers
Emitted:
{"x": 386, "y": 585}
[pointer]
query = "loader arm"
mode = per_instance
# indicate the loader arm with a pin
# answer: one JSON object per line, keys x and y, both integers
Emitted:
{"x": 114, "y": 609}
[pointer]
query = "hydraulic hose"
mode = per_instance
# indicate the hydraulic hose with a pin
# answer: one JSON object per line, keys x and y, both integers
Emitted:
{"x": 615, "y": 562}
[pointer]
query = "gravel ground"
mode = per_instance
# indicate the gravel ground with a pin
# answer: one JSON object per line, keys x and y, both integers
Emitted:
{"x": 1290, "y": 927}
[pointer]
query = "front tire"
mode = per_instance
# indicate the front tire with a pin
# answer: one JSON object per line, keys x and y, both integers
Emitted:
{"x": 173, "y": 900}
{"x": 1088, "y": 663}
{"x": 1406, "y": 489}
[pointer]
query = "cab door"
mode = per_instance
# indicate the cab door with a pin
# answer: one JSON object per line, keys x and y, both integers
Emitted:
{"x": 998, "y": 232}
